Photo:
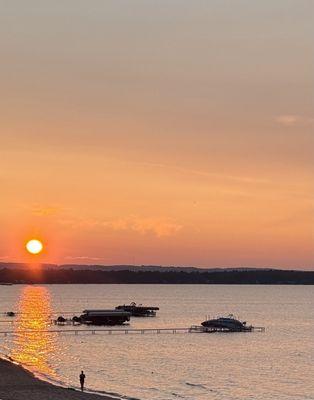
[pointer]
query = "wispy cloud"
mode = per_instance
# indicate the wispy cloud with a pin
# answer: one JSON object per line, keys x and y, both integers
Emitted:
{"x": 40, "y": 210}
{"x": 159, "y": 226}
{"x": 84, "y": 258}
{"x": 290, "y": 120}
{"x": 208, "y": 174}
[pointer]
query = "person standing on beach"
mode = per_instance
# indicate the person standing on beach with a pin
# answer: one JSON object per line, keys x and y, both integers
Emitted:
{"x": 82, "y": 380}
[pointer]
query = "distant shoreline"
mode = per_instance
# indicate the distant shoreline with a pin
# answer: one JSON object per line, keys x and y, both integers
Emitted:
{"x": 75, "y": 274}
{"x": 19, "y": 384}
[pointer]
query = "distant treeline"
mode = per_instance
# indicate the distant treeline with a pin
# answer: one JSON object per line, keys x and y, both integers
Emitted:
{"x": 264, "y": 277}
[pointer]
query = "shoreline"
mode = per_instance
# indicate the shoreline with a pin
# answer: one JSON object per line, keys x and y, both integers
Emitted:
{"x": 18, "y": 383}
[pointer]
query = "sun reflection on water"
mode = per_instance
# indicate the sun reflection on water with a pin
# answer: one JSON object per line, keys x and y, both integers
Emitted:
{"x": 32, "y": 343}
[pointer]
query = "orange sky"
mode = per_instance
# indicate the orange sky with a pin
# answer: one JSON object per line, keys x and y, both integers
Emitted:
{"x": 175, "y": 133}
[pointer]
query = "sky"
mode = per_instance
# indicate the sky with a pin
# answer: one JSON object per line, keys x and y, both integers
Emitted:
{"x": 158, "y": 132}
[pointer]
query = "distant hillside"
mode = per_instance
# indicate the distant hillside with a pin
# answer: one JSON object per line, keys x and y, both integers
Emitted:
{"x": 20, "y": 274}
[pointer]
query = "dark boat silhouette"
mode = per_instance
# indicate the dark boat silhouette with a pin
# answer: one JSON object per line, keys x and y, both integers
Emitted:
{"x": 228, "y": 324}
{"x": 138, "y": 310}
{"x": 104, "y": 317}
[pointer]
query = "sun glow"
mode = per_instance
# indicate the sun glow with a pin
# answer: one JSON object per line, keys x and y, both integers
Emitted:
{"x": 34, "y": 246}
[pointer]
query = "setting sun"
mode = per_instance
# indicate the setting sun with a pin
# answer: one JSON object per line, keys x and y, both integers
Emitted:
{"x": 34, "y": 246}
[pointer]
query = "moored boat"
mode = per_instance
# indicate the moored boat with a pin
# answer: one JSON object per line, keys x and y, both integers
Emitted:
{"x": 139, "y": 310}
{"x": 10, "y": 314}
{"x": 228, "y": 324}
{"x": 104, "y": 317}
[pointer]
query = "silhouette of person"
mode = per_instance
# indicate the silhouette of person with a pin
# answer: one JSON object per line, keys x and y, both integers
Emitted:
{"x": 82, "y": 380}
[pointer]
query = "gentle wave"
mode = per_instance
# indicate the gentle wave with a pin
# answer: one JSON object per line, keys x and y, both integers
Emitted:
{"x": 196, "y": 385}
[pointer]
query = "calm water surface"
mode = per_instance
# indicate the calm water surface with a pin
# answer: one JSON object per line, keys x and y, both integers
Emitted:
{"x": 277, "y": 364}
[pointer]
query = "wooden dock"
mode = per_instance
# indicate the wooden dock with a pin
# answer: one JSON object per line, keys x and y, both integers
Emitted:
{"x": 127, "y": 331}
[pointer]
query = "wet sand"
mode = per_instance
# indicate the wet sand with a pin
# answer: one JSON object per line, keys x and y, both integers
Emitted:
{"x": 18, "y": 384}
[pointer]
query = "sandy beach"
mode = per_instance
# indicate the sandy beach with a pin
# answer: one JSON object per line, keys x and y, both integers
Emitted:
{"x": 18, "y": 384}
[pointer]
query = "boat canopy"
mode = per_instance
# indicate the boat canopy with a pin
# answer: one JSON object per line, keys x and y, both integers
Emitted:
{"x": 106, "y": 312}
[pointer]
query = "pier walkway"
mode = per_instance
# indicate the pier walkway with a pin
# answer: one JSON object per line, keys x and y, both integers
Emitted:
{"x": 126, "y": 331}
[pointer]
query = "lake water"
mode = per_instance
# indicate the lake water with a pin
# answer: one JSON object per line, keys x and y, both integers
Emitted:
{"x": 277, "y": 364}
